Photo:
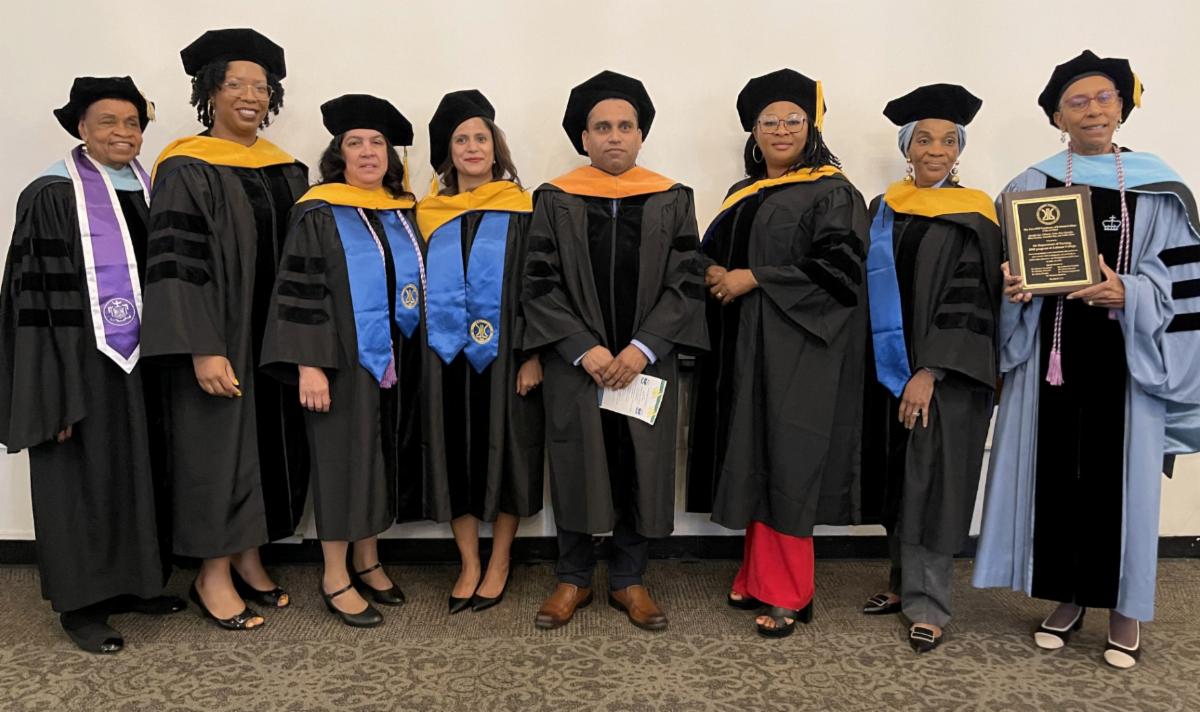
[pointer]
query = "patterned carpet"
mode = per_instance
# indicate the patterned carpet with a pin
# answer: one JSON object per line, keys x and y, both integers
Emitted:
{"x": 709, "y": 658}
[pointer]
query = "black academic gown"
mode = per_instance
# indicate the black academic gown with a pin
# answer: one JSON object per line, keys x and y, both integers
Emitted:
{"x": 601, "y": 271}
{"x": 921, "y": 484}
{"x": 239, "y": 466}
{"x": 483, "y": 442}
{"x": 778, "y": 401}
{"x": 94, "y": 496}
{"x": 366, "y": 458}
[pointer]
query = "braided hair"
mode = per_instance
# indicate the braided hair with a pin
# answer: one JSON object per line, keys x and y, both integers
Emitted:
{"x": 208, "y": 81}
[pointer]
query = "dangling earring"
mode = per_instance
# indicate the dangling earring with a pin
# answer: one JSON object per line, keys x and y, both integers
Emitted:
{"x": 908, "y": 173}
{"x": 1062, "y": 138}
{"x": 1119, "y": 125}
{"x": 954, "y": 174}
{"x": 759, "y": 157}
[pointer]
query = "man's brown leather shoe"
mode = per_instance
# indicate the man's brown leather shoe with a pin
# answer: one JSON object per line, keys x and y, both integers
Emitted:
{"x": 558, "y": 610}
{"x": 642, "y": 610}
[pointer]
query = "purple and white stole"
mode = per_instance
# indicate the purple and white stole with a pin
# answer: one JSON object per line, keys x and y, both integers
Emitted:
{"x": 110, "y": 267}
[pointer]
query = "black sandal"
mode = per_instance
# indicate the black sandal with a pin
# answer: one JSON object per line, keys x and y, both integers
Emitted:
{"x": 881, "y": 605}
{"x": 389, "y": 596}
{"x": 779, "y": 616}
{"x": 745, "y": 603}
{"x": 922, "y": 639}
{"x": 275, "y": 598}
{"x": 366, "y": 618}
{"x": 240, "y": 621}
{"x": 91, "y": 633}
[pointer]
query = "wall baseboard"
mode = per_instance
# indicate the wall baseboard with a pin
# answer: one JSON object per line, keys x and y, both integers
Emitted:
{"x": 422, "y": 551}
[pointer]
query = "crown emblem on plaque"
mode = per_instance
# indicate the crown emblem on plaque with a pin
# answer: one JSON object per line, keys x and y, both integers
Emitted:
{"x": 1112, "y": 224}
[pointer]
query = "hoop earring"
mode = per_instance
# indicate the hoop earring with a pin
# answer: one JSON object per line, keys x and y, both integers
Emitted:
{"x": 756, "y": 159}
{"x": 954, "y": 174}
{"x": 908, "y": 173}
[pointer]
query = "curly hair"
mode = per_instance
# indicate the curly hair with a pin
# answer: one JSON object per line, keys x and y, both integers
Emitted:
{"x": 333, "y": 168}
{"x": 208, "y": 81}
{"x": 814, "y": 155}
{"x": 502, "y": 167}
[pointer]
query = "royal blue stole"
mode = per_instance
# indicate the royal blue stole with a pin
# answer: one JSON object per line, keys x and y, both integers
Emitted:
{"x": 367, "y": 271}
{"x": 883, "y": 288}
{"x": 463, "y": 306}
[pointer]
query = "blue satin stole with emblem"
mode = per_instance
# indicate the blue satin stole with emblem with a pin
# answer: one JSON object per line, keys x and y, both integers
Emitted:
{"x": 367, "y": 273}
{"x": 887, "y": 322}
{"x": 463, "y": 305}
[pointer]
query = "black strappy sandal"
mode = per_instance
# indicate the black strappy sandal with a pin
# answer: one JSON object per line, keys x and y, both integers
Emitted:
{"x": 240, "y": 621}
{"x": 745, "y": 603}
{"x": 389, "y": 596}
{"x": 922, "y": 639}
{"x": 275, "y": 598}
{"x": 881, "y": 605}
{"x": 779, "y": 616}
{"x": 366, "y": 618}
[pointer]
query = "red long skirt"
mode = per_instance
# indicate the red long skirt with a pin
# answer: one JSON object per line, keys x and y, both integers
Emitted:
{"x": 777, "y": 568}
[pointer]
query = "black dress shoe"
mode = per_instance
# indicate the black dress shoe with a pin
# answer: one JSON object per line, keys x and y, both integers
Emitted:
{"x": 458, "y": 605}
{"x": 240, "y": 621}
{"x": 388, "y": 597}
{"x": 1048, "y": 638}
{"x": 366, "y": 618}
{"x": 881, "y": 605}
{"x": 482, "y": 603}
{"x": 745, "y": 603}
{"x": 275, "y": 598}
{"x": 922, "y": 639}
{"x": 156, "y": 606}
{"x": 90, "y": 631}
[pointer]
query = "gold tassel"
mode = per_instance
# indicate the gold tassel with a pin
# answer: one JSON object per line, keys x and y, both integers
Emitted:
{"x": 1137, "y": 91}
{"x": 407, "y": 182}
{"x": 819, "y": 121}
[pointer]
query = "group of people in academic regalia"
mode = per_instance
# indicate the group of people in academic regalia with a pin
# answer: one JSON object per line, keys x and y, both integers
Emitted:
{"x": 188, "y": 354}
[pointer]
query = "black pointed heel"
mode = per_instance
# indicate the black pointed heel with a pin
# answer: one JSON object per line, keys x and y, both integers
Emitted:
{"x": 482, "y": 603}
{"x": 388, "y": 597}
{"x": 881, "y": 605}
{"x": 1048, "y": 638}
{"x": 239, "y": 622}
{"x": 369, "y": 617}
{"x": 275, "y": 598}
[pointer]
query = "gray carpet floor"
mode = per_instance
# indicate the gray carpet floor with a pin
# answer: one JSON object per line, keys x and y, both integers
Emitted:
{"x": 709, "y": 657}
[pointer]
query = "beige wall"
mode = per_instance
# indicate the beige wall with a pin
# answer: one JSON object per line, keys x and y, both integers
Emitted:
{"x": 693, "y": 56}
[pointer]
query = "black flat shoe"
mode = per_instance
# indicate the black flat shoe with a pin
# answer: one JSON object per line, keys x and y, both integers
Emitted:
{"x": 239, "y": 622}
{"x": 922, "y": 639}
{"x": 388, "y": 597}
{"x": 1048, "y": 638}
{"x": 881, "y": 605}
{"x": 779, "y": 615}
{"x": 92, "y": 633}
{"x": 745, "y": 603}
{"x": 156, "y": 606}
{"x": 482, "y": 603}
{"x": 1119, "y": 656}
{"x": 275, "y": 598}
{"x": 366, "y": 618}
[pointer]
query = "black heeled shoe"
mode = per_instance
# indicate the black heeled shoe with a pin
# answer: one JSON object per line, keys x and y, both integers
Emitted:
{"x": 779, "y": 616}
{"x": 275, "y": 598}
{"x": 482, "y": 603}
{"x": 1048, "y": 638}
{"x": 388, "y": 597}
{"x": 366, "y": 618}
{"x": 745, "y": 603}
{"x": 89, "y": 630}
{"x": 239, "y": 622}
{"x": 922, "y": 639}
{"x": 1120, "y": 657}
{"x": 458, "y": 605}
{"x": 881, "y": 605}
